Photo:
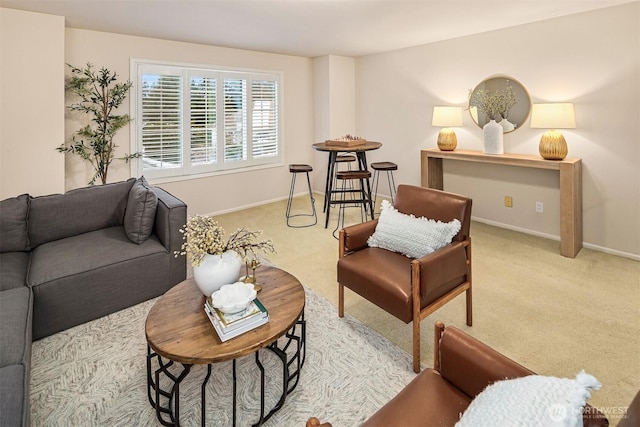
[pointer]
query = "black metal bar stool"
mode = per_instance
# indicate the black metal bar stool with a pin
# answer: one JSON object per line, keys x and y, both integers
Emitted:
{"x": 360, "y": 195}
{"x": 344, "y": 159}
{"x": 379, "y": 167}
{"x": 295, "y": 169}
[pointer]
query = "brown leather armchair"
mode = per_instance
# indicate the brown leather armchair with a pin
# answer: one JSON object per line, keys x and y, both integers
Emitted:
{"x": 409, "y": 289}
{"x": 463, "y": 367}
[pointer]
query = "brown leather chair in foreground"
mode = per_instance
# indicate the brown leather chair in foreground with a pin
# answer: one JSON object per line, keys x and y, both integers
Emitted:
{"x": 409, "y": 289}
{"x": 631, "y": 418}
{"x": 463, "y": 367}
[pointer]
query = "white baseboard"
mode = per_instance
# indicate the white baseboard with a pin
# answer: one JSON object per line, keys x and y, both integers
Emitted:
{"x": 482, "y": 220}
{"x": 514, "y": 228}
{"x": 255, "y": 205}
{"x": 557, "y": 238}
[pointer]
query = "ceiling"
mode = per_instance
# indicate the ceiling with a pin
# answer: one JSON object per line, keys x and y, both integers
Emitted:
{"x": 306, "y": 27}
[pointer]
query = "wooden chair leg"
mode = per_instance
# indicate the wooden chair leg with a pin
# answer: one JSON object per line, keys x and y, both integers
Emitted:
{"x": 417, "y": 315}
{"x": 416, "y": 345}
{"x": 469, "y": 308}
{"x": 340, "y": 300}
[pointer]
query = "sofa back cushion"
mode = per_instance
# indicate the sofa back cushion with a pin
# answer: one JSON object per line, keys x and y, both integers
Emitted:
{"x": 14, "y": 236}
{"x": 77, "y": 211}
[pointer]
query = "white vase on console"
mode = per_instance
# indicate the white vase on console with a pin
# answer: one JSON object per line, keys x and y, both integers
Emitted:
{"x": 493, "y": 138}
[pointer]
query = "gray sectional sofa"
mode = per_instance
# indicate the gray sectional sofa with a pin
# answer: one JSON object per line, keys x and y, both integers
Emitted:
{"x": 66, "y": 259}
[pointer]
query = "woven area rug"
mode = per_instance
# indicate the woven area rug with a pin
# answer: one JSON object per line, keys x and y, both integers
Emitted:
{"x": 95, "y": 375}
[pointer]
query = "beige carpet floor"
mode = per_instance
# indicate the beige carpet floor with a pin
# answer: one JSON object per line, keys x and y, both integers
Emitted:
{"x": 553, "y": 314}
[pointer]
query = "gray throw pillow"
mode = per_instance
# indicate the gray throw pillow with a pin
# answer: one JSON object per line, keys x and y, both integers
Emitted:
{"x": 14, "y": 235}
{"x": 141, "y": 211}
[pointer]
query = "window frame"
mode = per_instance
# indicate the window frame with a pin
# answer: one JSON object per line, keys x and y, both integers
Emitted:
{"x": 139, "y": 66}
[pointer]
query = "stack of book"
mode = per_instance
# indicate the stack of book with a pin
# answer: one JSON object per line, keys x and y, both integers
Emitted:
{"x": 231, "y": 325}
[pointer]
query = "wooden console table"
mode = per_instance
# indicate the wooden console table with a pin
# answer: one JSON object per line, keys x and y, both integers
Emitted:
{"x": 570, "y": 185}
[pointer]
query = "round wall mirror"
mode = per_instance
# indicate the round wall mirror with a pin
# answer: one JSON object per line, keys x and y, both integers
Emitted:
{"x": 502, "y": 99}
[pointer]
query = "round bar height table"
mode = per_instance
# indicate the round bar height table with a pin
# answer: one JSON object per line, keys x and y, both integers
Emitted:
{"x": 333, "y": 150}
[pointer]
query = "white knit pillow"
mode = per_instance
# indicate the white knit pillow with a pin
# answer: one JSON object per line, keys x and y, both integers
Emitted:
{"x": 411, "y": 236}
{"x": 531, "y": 401}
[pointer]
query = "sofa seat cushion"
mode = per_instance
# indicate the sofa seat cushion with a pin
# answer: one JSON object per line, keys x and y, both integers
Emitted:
{"x": 428, "y": 399}
{"x": 86, "y": 252}
{"x": 15, "y": 326}
{"x": 14, "y": 389}
{"x": 13, "y": 270}
{"x": 84, "y": 277}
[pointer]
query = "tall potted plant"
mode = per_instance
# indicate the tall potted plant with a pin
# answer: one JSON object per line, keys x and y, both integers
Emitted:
{"x": 99, "y": 96}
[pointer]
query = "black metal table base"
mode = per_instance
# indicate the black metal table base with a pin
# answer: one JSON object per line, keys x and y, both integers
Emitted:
{"x": 166, "y": 402}
{"x": 329, "y": 191}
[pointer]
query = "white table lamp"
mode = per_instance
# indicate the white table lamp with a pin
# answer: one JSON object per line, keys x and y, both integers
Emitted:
{"x": 553, "y": 146}
{"x": 447, "y": 117}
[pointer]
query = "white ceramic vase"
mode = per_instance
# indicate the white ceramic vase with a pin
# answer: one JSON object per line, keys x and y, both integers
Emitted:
{"x": 493, "y": 138}
{"x": 217, "y": 270}
{"x": 507, "y": 126}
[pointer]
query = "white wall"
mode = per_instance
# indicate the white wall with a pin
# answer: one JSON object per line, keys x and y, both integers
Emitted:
{"x": 590, "y": 59}
{"x": 334, "y": 106}
{"x": 223, "y": 192}
{"x": 32, "y": 103}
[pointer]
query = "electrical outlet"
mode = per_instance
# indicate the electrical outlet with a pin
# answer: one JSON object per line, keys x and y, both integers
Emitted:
{"x": 539, "y": 207}
{"x": 508, "y": 201}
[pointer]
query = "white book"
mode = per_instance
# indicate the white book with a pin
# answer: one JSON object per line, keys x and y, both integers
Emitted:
{"x": 226, "y": 335}
{"x": 233, "y": 321}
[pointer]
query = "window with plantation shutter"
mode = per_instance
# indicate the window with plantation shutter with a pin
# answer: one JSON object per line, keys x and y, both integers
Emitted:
{"x": 235, "y": 119}
{"x": 194, "y": 120}
{"x": 203, "y": 136}
{"x": 161, "y": 121}
{"x": 264, "y": 117}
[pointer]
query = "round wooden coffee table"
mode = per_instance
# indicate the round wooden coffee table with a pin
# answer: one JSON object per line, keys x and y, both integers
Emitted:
{"x": 178, "y": 330}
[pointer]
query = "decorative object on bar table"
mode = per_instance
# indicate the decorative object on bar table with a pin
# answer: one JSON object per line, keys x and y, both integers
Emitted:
{"x": 447, "y": 117}
{"x": 346, "y": 141}
{"x": 553, "y": 116}
{"x": 216, "y": 261}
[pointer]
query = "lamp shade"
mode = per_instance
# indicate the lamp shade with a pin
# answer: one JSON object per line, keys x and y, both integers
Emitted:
{"x": 553, "y": 116}
{"x": 447, "y": 116}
